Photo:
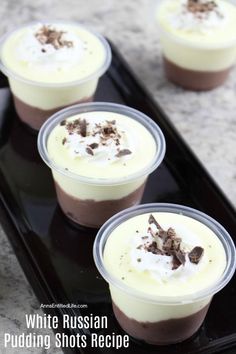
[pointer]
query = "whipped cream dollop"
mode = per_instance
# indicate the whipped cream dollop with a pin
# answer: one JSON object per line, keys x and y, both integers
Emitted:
{"x": 100, "y": 141}
{"x": 167, "y": 254}
{"x": 202, "y": 16}
{"x": 52, "y": 47}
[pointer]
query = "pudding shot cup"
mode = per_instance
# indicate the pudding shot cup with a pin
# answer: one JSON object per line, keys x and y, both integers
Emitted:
{"x": 198, "y": 41}
{"x": 157, "y": 297}
{"x": 101, "y": 155}
{"x": 52, "y": 65}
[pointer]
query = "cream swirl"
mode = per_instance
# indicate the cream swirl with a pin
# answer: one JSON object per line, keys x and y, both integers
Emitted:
{"x": 160, "y": 264}
{"x": 200, "y": 16}
{"x": 52, "y": 47}
{"x": 99, "y": 141}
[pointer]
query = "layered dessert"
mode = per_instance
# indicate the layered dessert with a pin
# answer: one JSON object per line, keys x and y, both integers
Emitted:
{"x": 199, "y": 41}
{"x": 52, "y": 65}
{"x": 100, "y": 161}
{"x": 163, "y": 264}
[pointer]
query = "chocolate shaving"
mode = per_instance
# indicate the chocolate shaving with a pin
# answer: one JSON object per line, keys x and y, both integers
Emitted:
{"x": 180, "y": 256}
{"x": 152, "y": 220}
{"x": 178, "y": 259}
{"x": 196, "y": 254}
{"x": 64, "y": 141}
{"x": 153, "y": 248}
{"x": 63, "y": 122}
{"x": 117, "y": 142}
{"x": 89, "y": 151}
{"x": 170, "y": 245}
{"x": 108, "y": 130}
{"x": 123, "y": 152}
{"x": 163, "y": 235}
{"x": 167, "y": 246}
{"x": 93, "y": 146}
{"x": 171, "y": 232}
{"x": 48, "y": 35}
{"x": 78, "y": 126}
{"x": 104, "y": 132}
{"x": 83, "y": 127}
{"x": 176, "y": 243}
{"x": 175, "y": 262}
{"x": 201, "y": 8}
{"x": 72, "y": 126}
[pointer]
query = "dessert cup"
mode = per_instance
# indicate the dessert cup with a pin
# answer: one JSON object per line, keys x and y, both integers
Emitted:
{"x": 198, "y": 40}
{"x": 47, "y": 74}
{"x": 102, "y": 172}
{"x": 152, "y": 300}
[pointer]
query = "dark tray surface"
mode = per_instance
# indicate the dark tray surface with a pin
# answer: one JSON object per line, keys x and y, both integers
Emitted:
{"x": 57, "y": 256}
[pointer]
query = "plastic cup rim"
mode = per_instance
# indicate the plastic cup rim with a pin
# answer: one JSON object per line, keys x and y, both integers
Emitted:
{"x": 216, "y": 227}
{"x": 11, "y": 74}
{"x": 147, "y": 122}
{"x": 187, "y": 42}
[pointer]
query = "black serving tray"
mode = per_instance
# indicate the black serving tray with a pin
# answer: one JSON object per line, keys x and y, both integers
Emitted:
{"x": 56, "y": 256}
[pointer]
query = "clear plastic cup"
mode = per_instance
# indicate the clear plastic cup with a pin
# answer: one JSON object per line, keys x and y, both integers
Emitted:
{"x": 36, "y": 101}
{"x": 168, "y": 319}
{"x": 193, "y": 65}
{"x": 91, "y": 201}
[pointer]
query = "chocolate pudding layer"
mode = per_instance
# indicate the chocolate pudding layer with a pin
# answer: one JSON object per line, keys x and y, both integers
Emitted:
{"x": 35, "y": 117}
{"x": 96, "y": 212}
{"x": 168, "y": 331}
{"x": 193, "y": 79}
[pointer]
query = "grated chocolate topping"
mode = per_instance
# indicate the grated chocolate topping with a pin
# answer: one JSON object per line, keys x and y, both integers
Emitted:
{"x": 83, "y": 127}
{"x": 123, "y": 152}
{"x": 105, "y": 132}
{"x": 94, "y": 145}
{"x": 167, "y": 243}
{"x": 48, "y": 35}
{"x": 153, "y": 248}
{"x": 196, "y": 254}
{"x": 202, "y": 7}
{"x": 89, "y": 151}
{"x": 152, "y": 220}
{"x": 78, "y": 126}
{"x": 63, "y": 122}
